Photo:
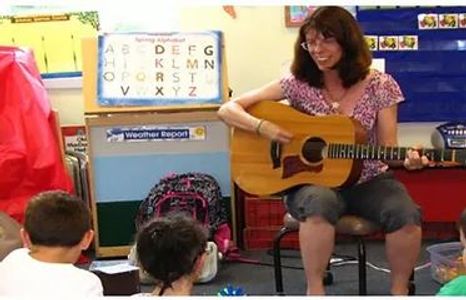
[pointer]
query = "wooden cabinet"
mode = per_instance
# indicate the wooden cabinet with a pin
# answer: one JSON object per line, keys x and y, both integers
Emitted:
{"x": 122, "y": 172}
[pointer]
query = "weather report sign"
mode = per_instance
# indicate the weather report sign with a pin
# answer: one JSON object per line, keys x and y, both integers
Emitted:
{"x": 153, "y": 134}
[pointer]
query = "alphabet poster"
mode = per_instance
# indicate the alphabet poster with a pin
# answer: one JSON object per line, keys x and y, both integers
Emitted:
{"x": 159, "y": 69}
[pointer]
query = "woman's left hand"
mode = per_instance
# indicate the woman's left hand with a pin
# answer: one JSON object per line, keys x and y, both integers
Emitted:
{"x": 414, "y": 161}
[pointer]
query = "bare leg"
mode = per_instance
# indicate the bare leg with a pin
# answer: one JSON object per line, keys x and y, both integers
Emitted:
{"x": 316, "y": 239}
{"x": 402, "y": 247}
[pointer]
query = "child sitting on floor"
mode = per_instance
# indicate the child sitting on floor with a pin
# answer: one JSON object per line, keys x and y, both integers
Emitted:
{"x": 172, "y": 250}
{"x": 457, "y": 287}
{"x": 57, "y": 228}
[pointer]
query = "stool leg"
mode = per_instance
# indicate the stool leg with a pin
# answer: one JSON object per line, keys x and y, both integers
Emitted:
{"x": 328, "y": 277}
{"x": 362, "y": 267}
{"x": 277, "y": 264}
{"x": 411, "y": 285}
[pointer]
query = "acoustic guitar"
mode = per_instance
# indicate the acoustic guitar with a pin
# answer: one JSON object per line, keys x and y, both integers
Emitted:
{"x": 325, "y": 150}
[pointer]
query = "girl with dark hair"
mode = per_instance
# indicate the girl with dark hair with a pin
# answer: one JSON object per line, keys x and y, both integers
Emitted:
{"x": 330, "y": 75}
{"x": 172, "y": 250}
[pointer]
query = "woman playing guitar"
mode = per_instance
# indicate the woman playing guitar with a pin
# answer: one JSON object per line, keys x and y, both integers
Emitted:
{"x": 331, "y": 75}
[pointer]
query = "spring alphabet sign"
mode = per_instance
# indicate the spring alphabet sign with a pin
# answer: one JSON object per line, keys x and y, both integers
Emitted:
{"x": 159, "y": 69}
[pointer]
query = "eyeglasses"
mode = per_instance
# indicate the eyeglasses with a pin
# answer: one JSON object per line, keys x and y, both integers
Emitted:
{"x": 322, "y": 42}
{"x": 306, "y": 46}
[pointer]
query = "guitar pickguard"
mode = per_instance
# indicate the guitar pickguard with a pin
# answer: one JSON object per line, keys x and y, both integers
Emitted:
{"x": 293, "y": 165}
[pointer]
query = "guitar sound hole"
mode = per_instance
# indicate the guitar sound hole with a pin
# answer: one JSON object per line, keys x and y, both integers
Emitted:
{"x": 313, "y": 149}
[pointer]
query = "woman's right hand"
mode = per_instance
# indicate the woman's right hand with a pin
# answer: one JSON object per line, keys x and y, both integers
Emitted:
{"x": 274, "y": 132}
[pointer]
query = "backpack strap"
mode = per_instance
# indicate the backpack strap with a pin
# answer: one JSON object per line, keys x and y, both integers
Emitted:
{"x": 233, "y": 255}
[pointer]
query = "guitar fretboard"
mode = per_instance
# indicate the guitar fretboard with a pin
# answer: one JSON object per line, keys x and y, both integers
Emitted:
{"x": 378, "y": 152}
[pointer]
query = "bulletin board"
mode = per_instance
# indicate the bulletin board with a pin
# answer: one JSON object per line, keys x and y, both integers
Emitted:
{"x": 154, "y": 72}
{"x": 432, "y": 73}
{"x": 55, "y": 39}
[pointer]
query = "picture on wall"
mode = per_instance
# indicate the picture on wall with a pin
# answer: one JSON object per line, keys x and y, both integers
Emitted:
{"x": 296, "y": 14}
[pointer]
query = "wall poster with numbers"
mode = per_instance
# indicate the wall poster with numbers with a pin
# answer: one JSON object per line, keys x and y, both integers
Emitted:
{"x": 159, "y": 69}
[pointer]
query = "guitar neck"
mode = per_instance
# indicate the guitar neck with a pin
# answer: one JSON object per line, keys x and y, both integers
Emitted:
{"x": 378, "y": 152}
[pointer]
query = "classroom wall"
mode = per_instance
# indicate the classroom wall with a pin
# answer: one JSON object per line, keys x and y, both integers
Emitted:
{"x": 258, "y": 49}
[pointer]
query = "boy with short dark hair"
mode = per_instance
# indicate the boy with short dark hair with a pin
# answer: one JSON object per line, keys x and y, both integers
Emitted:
{"x": 457, "y": 287}
{"x": 57, "y": 228}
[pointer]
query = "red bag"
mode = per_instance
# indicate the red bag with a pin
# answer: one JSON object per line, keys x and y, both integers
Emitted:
{"x": 30, "y": 160}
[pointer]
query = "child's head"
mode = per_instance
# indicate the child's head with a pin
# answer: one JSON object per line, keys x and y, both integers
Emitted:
{"x": 171, "y": 247}
{"x": 57, "y": 219}
{"x": 462, "y": 227}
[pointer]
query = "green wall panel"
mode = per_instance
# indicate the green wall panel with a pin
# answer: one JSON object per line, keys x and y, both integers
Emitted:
{"x": 116, "y": 222}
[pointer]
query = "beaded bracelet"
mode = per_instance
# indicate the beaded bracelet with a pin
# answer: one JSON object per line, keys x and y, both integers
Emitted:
{"x": 258, "y": 126}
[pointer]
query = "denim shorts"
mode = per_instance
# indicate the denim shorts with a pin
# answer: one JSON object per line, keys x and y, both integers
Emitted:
{"x": 382, "y": 200}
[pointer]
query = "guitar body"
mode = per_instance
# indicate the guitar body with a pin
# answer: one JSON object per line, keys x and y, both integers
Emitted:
{"x": 262, "y": 167}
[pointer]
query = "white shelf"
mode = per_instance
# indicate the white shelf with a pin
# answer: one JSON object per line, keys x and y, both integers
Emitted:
{"x": 63, "y": 83}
